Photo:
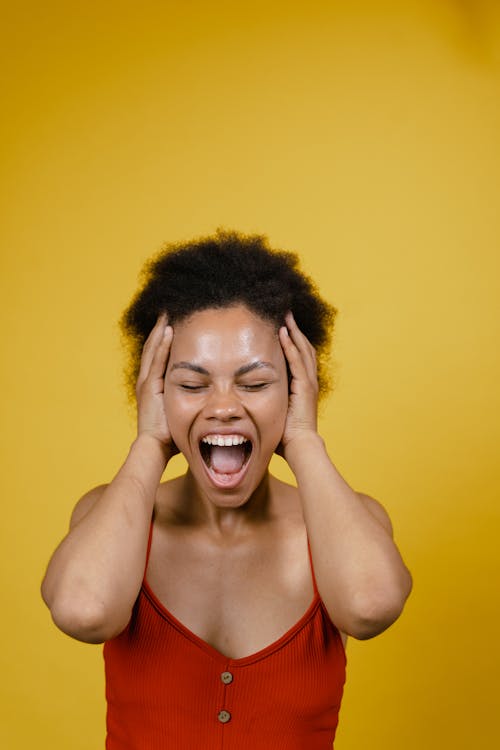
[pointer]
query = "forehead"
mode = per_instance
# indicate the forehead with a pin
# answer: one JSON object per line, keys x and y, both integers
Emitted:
{"x": 223, "y": 334}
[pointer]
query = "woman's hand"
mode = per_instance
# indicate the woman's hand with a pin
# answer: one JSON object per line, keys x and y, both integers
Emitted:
{"x": 303, "y": 401}
{"x": 151, "y": 416}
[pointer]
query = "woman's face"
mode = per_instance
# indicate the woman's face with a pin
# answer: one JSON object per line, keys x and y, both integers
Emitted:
{"x": 226, "y": 399}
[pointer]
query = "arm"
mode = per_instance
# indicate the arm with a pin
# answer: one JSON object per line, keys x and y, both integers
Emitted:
{"x": 94, "y": 576}
{"x": 361, "y": 577}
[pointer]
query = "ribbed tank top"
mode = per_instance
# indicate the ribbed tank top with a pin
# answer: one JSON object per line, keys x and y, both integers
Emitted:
{"x": 167, "y": 689}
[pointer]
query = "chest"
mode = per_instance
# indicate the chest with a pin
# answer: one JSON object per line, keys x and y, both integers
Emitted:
{"x": 238, "y": 597}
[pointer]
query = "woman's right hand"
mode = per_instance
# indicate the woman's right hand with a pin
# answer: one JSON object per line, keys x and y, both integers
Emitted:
{"x": 96, "y": 573}
{"x": 151, "y": 415}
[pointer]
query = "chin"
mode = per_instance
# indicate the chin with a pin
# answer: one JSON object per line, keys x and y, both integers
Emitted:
{"x": 228, "y": 501}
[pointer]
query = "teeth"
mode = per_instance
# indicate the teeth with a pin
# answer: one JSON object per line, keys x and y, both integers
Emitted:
{"x": 224, "y": 440}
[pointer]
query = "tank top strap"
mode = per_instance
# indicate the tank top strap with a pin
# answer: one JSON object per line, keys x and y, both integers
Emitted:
{"x": 315, "y": 586}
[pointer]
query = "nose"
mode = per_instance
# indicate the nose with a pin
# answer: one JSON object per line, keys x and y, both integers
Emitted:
{"x": 223, "y": 405}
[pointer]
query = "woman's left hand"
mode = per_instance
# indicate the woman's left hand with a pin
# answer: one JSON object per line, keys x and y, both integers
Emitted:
{"x": 303, "y": 400}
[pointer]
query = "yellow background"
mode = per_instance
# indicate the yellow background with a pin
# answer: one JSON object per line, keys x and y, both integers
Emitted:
{"x": 365, "y": 135}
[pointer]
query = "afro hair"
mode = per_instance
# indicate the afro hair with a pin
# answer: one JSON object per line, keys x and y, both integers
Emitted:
{"x": 219, "y": 271}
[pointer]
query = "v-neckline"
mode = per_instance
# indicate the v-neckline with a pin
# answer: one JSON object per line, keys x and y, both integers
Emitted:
{"x": 214, "y": 652}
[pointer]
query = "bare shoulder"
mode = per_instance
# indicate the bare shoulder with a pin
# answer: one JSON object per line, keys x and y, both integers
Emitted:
{"x": 377, "y": 509}
{"x": 85, "y": 504}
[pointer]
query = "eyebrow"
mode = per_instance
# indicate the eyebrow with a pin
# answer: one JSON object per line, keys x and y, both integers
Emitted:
{"x": 258, "y": 364}
{"x": 190, "y": 366}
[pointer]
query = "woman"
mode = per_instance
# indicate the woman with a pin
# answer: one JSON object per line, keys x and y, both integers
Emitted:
{"x": 224, "y": 596}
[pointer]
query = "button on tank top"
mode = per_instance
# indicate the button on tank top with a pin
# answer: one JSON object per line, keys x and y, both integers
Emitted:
{"x": 167, "y": 689}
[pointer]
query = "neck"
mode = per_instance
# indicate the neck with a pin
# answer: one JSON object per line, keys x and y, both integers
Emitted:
{"x": 221, "y": 516}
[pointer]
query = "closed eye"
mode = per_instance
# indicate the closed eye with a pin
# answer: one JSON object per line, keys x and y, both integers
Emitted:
{"x": 254, "y": 386}
{"x": 192, "y": 388}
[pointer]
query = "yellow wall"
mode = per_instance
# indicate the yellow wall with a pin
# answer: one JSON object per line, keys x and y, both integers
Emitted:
{"x": 365, "y": 135}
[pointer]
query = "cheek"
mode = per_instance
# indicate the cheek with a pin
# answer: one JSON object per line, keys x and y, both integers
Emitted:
{"x": 177, "y": 416}
{"x": 276, "y": 411}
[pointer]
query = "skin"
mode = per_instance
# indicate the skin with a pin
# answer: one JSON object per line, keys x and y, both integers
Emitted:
{"x": 242, "y": 390}
{"x": 230, "y": 562}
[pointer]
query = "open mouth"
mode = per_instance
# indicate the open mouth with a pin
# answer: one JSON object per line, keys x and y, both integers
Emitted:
{"x": 225, "y": 456}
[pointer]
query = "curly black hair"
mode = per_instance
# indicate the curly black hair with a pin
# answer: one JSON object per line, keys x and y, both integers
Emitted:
{"x": 219, "y": 271}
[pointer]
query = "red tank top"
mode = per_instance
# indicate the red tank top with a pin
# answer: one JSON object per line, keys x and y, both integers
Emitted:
{"x": 167, "y": 689}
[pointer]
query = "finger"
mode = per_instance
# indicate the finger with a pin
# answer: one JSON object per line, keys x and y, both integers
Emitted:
{"x": 303, "y": 388}
{"x": 293, "y": 355}
{"x": 299, "y": 338}
{"x": 150, "y": 345}
{"x": 303, "y": 345}
{"x": 160, "y": 357}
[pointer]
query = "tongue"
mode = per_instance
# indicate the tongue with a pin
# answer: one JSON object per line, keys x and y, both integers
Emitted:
{"x": 228, "y": 459}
